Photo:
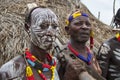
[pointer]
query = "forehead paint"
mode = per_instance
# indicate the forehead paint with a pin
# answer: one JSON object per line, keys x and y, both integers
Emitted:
{"x": 43, "y": 14}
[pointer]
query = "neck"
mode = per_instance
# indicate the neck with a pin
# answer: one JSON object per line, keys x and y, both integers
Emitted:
{"x": 39, "y": 53}
{"x": 79, "y": 46}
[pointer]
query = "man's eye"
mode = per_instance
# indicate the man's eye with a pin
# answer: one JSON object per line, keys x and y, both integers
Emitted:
{"x": 88, "y": 24}
{"x": 78, "y": 24}
{"x": 44, "y": 26}
{"x": 54, "y": 27}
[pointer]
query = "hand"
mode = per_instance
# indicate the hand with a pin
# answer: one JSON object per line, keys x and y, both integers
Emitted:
{"x": 73, "y": 69}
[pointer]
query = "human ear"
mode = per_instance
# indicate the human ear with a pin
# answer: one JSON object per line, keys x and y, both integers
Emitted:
{"x": 27, "y": 26}
{"x": 67, "y": 29}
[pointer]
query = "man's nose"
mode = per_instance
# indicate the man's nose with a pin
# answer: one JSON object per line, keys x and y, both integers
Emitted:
{"x": 49, "y": 28}
{"x": 50, "y": 31}
{"x": 84, "y": 26}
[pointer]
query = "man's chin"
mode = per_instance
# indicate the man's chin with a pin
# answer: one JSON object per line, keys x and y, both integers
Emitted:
{"x": 82, "y": 40}
{"x": 48, "y": 47}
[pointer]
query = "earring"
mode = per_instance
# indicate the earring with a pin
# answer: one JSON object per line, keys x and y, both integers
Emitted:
{"x": 91, "y": 39}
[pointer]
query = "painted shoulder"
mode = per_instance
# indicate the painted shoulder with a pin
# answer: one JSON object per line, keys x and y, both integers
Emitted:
{"x": 13, "y": 68}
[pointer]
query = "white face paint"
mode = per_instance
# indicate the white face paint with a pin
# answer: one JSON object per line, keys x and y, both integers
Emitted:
{"x": 43, "y": 27}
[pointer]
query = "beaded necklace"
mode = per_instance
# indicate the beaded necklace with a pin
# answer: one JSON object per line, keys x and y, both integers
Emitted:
{"x": 39, "y": 66}
{"x": 118, "y": 36}
{"x": 86, "y": 60}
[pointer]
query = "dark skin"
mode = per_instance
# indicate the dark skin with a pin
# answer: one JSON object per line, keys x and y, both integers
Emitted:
{"x": 79, "y": 31}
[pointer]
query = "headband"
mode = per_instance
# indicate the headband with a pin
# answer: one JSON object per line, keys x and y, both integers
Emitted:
{"x": 75, "y": 15}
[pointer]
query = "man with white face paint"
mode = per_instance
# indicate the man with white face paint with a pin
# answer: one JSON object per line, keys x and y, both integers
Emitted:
{"x": 37, "y": 63}
{"x": 43, "y": 28}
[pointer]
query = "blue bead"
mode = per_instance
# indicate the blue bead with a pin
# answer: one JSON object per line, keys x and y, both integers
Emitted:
{"x": 31, "y": 63}
{"x": 45, "y": 69}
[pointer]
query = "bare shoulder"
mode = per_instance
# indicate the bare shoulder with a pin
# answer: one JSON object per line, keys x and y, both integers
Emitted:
{"x": 18, "y": 60}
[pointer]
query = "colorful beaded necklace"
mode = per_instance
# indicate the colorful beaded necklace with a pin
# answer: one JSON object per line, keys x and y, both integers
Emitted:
{"x": 39, "y": 66}
{"x": 118, "y": 36}
{"x": 86, "y": 60}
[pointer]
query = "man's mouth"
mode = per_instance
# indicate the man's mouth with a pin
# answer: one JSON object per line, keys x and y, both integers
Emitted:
{"x": 86, "y": 34}
{"x": 47, "y": 39}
